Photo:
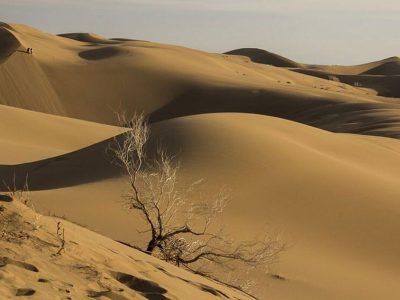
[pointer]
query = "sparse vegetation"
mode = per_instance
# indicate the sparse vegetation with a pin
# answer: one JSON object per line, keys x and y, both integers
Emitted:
{"x": 18, "y": 194}
{"x": 333, "y": 78}
{"x": 22, "y": 195}
{"x": 3, "y": 222}
{"x": 61, "y": 238}
{"x": 183, "y": 230}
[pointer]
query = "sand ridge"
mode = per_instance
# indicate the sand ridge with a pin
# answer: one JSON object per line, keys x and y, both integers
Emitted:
{"x": 381, "y": 76}
{"x": 265, "y": 57}
{"x": 338, "y": 184}
{"x": 88, "y": 37}
{"x": 30, "y": 136}
{"x": 89, "y": 80}
{"x": 8, "y": 44}
{"x": 316, "y": 159}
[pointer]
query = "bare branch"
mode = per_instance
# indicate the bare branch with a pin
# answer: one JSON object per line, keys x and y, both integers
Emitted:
{"x": 179, "y": 224}
{"x": 61, "y": 238}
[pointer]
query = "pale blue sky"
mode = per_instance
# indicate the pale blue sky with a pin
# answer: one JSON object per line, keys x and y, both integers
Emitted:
{"x": 310, "y": 31}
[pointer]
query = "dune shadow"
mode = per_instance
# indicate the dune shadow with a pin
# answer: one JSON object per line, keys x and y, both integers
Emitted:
{"x": 85, "y": 165}
{"x": 389, "y": 68}
{"x": 200, "y": 101}
{"x": 25, "y": 292}
{"x": 387, "y": 85}
{"x": 149, "y": 289}
{"x": 107, "y": 294}
{"x": 212, "y": 291}
{"x": 334, "y": 115}
{"x": 264, "y": 57}
{"x": 6, "y": 198}
{"x": 4, "y": 261}
{"x": 202, "y": 287}
{"x": 100, "y": 53}
{"x": 126, "y": 40}
{"x": 5, "y": 25}
{"x": 88, "y": 38}
{"x": 9, "y": 44}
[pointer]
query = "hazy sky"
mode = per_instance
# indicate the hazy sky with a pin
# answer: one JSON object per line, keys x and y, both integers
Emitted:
{"x": 310, "y": 31}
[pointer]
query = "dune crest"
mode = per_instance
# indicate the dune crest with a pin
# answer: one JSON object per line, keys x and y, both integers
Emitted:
{"x": 265, "y": 57}
{"x": 9, "y": 43}
{"x": 389, "y": 68}
{"x": 27, "y": 136}
{"x": 101, "y": 53}
{"x": 86, "y": 81}
{"x": 310, "y": 150}
{"x": 364, "y": 75}
{"x": 88, "y": 37}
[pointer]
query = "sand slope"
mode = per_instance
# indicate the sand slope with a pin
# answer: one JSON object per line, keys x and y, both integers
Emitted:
{"x": 8, "y": 43}
{"x": 88, "y": 37}
{"x": 25, "y": 85}
{"x": 381, "y": 76}
{"x": 361, "y": 69}
{"x": 30, "y": 136}
{"x": 92, "y": 80}
{"x": 90, "y": 267}
{"x": 389, "y": 68}
{"x": 332, "y": 196}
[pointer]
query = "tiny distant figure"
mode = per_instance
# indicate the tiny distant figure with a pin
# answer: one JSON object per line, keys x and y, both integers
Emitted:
{"x": 28, "y": 50}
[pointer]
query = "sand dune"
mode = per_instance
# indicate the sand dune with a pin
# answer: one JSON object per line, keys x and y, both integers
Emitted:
{"x": 332, "y": 196}
{"x": 8, "y": 44}
{"x": 389, "y": 68}
{"x": 90, "y": 266}
{"x": 356, "y": 69}
{"x": 331, "y": 177}
{"x": 89, "y": 164}
{"x": 88, "y": 37}
{"x": 385, "y": 85}
{"x": 265, "y": 57}
{"x": 74, "y": 79}
{"x": 382, "y": 76}
{"x": 30, "y": 136}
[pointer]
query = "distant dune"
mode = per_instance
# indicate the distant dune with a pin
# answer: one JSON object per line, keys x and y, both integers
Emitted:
{"x": 91, "y": 81}
{"x": 313, "y": 151}
{"x": 388, "y": 68}
{"x": 386, "y": 85}
{"x": 88, "y": 37}
{"x": 265, "y": 57}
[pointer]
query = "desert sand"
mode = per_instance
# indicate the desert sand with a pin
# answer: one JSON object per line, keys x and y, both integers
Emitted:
{"x": 317, "y": 160}
{"x": 90, "y": 266}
